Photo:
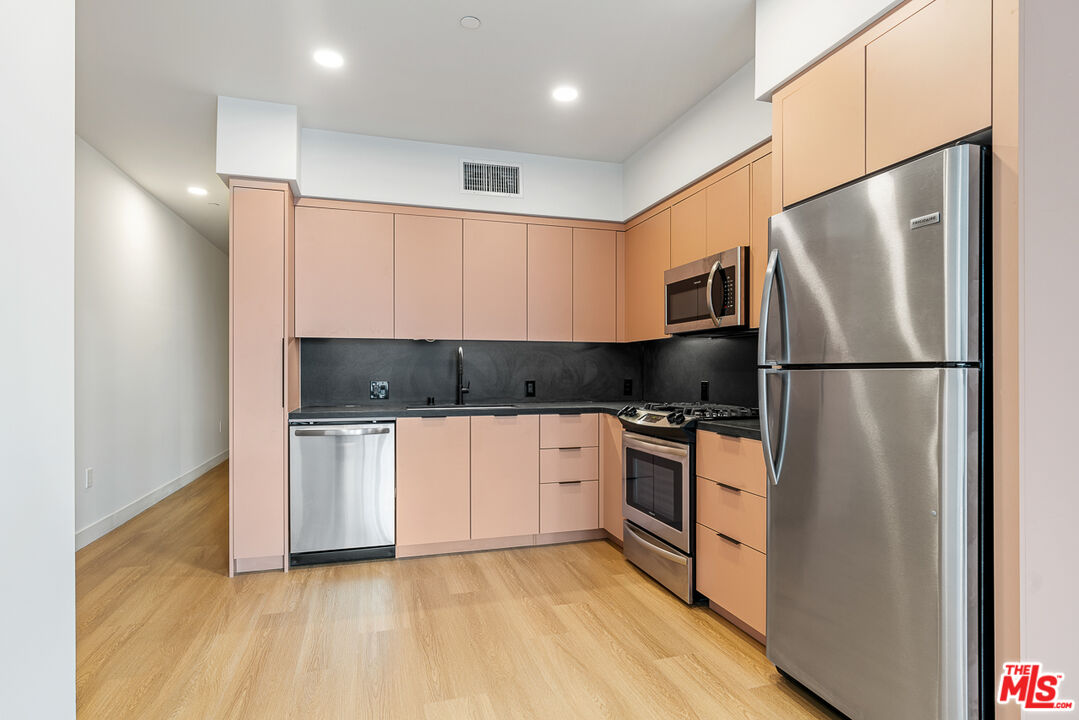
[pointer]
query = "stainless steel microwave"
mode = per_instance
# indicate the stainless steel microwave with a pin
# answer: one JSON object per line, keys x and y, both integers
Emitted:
{"x": 708, "y": 294}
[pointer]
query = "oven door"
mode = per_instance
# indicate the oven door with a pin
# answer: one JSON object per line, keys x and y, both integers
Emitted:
{"x": 656, "y": 488}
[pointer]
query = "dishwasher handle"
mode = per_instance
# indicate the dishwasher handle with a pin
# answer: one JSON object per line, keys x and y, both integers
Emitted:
{"x": 334, "y": 431}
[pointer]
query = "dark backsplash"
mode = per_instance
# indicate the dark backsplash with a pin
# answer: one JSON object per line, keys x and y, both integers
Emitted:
{"x": 674, "y": 368}
{"x": 339, "y": 372}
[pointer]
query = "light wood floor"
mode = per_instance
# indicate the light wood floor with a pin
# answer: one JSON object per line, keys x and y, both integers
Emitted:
{"x": 569, "y": 631}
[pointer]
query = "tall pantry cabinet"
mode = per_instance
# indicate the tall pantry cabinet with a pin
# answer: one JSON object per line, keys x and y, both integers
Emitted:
{"x": 263, "y": 372}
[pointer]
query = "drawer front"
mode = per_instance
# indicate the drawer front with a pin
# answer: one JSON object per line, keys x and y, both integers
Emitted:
{"x": 562, "y": 431}
{"x": 732, "y": 576}
{"x": 732, "y": 461}
{"x": 562, "y": 464}
{"x": 569, "y": 506}
{"x": 737, "y": 513}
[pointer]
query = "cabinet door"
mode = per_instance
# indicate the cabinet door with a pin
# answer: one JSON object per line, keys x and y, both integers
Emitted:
{"x": 820, "y": 121}
{"x": 928, "y": 81}
{"x": 432, "y": 480}
{"x": 496, "y": 279}
{"x": 594, "y": 291}
{"x": 257, "y": 296}
{"x": 569, "y": 431}
{"x": 733, "y": 576}
{"x": 344, "y": 273}
{"x": 734, "y": 461}
{"x": 760, "y": 209}
{"x": 610, "y": 474}
{"x": 568, "y": 507}
{"x": 427, "y": 277}
{"x": 648, "y": 256}
{"x": 689, "y": 228}
{"x": 505, "y": 476}
{"x": 550, "y": 283}
{"x": 728, "y": 212}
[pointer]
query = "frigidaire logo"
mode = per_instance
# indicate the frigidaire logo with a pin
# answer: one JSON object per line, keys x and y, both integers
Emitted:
{"x": 1031, "y": 689}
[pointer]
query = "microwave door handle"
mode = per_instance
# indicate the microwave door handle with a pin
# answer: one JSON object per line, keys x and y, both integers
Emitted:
{"x": 708, "y": 293}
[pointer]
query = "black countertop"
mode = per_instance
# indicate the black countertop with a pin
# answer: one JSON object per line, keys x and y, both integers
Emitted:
{"x": 747, "y": 428}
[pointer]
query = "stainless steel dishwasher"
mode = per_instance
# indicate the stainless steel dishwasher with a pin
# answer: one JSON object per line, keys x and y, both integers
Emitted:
{"x": 341, "y": 490}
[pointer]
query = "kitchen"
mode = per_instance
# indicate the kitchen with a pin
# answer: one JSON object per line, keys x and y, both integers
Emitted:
{"x": 716, "y": 421}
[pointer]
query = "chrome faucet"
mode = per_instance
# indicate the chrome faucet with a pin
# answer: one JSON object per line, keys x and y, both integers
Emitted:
{"x": 462, "y": 387}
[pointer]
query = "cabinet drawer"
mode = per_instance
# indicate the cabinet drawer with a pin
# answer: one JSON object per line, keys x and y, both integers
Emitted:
{"x": 569, "y": 506}
{"x": 732, "y": 576}
{"x": 737, "y": 513}
{"x": 562, "y": 464}
{"x": 731, "y": 461}
{"x": 564, "y": 431}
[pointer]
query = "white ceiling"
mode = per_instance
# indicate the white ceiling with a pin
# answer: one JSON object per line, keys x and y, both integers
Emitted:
{"x": 148, "y": 74}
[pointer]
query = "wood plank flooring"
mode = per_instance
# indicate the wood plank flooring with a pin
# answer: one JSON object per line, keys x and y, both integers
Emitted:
{"x": 566, "y": 631}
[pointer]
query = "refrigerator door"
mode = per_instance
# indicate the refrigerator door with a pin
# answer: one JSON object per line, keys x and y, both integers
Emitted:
{"x": 341, "y": 487}
{"x": 883, "y": 271}
{"x": 872, "y": 554}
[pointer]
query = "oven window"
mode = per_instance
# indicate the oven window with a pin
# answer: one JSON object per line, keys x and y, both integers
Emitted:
{"x": 654, "y": 486}
{"x": 687, "y": 300}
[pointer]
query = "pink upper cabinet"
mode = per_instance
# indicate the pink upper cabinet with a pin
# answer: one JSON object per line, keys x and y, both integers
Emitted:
{"x": 496, "y": 280}
{"x": 427, "y": 277}
{"x": 594, "y": 291}
{"x": 550, "y": 283}
{"x": 344, "y": 273}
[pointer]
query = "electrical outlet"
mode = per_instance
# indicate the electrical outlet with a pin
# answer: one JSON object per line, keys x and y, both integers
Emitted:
{"x": 627, "y": 386}
{"x": 89, "y": 481}
{"x": 704, "y": 390}
{"x": 530, "y": 388}
{"x": 380, "y": 389}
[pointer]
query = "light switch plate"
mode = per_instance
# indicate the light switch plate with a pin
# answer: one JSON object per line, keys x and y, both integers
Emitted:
{"x": 380, "y": 389}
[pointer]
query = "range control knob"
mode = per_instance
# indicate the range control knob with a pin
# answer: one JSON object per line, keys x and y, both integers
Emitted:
{"x": 628, "y": 411}
{"x": 676, "y": 417}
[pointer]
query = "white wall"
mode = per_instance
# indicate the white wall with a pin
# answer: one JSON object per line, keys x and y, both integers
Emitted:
{"x": 37, "y": 130}
{"x": 722, "y": 126}
{"x": 791, "y": 35}
{"x": 151, "y": 348}
{"x": 346, "y": 166}
{"x": 1049, "y": 385}
{"x": 257, "y": 139}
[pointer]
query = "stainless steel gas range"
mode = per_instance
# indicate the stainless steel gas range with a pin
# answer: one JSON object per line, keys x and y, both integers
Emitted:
{"x": 658, "y": 499}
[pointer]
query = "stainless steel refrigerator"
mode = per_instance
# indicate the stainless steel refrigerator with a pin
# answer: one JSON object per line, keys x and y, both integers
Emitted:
{"x": 871, "y": 379}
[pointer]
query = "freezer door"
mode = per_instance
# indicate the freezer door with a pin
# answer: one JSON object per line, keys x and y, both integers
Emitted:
{"x": 341, "y": 487}
{"x": 872, "y": 563}
{"x": 886, "y": 270}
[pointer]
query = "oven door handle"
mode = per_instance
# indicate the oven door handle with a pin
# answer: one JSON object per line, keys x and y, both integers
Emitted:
{"x": 662, "y": 448}
{"x": 673, "y": 557}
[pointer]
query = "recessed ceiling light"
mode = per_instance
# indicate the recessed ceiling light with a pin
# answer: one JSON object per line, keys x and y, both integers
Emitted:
{"x": 329, "y": 58}
{"x": 470, "y": 22}
{"x": 196, "y": 190}
{"x": 564, "y": 93}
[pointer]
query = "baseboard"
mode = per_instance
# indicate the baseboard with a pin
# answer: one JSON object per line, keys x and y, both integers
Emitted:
{"x": 110, "y": 522}
{"x": 500, "y": 543}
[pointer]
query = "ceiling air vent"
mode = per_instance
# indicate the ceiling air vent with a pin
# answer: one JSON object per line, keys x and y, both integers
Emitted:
{"x": 490, "y": 178}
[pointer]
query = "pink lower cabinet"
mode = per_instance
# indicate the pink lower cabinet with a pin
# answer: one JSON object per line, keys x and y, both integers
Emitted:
{"x": 732, "y": 575}
{"x": 505, "y": 472}
{"x": 563, "y": 431}
{"x": 568, "y": 464}
{"x": 433, "y": 462}
{"x": 736, "y": 513}
{"x": 569, "y": 506}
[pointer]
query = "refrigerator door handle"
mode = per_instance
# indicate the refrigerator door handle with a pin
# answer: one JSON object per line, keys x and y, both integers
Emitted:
{"x": 773, "y": 462}
{"x": 774, "y": 268}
